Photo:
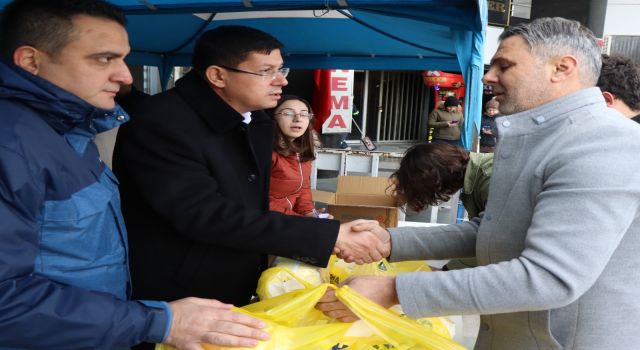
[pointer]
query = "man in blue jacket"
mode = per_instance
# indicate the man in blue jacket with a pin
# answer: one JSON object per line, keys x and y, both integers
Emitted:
{"x": 64, "y": 278}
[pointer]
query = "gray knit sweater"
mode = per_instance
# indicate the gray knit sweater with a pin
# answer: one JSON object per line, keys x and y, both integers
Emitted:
{"x": 559, "y": 240}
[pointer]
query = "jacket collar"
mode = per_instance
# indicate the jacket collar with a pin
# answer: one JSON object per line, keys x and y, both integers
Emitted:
{"x": 61, "y": 109}
{"x": 548, "y": 114}
{"x": 212, "y": 108}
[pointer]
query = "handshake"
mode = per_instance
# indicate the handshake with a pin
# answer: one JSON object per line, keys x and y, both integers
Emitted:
{"x": 362, "y": 242}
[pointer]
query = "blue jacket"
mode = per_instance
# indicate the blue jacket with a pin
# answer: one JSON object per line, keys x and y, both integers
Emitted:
{"x": 64, "y": 277}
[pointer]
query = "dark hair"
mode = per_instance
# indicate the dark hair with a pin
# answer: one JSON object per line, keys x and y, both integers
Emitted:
{"x": 451, "y": 102}
{"x": 303, "y": 145}
{"x": 621, "y": 77}
{"x": 231, "y": 45}
{"x": 47, "y": 24}
{"x": 429, "y": 173}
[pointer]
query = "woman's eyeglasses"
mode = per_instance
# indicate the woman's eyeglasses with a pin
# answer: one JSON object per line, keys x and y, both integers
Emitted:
{"x": 289, "y": 114}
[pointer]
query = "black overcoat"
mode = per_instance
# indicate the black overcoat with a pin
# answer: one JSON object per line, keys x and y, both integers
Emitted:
{"x": 194, "y": 186}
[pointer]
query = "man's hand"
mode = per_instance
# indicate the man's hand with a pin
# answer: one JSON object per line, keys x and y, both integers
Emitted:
{"x": 360, "y": 241}
{"x": 381, "y": 290}
{"x": 197, "y": 321}
{"x": 384, "y": 238}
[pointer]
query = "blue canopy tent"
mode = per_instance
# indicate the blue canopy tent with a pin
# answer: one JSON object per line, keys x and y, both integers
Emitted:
{"x": 340, "y": 34}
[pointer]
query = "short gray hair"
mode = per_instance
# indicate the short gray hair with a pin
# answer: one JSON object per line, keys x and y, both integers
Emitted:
{"x": 550, "y": 37}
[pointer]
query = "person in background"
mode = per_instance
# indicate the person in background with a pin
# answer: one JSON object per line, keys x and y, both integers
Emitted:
{"x": 620, "y": 85}
{"x": 557, "y": 245}
{"x": 194, "y": 165}
{"x": 430, "y": 173}
{"x": 488, "y": 129}
{"x": 293, "y": 152}
{"x": 342, "y": 143}
{"x": 64, "y": 279}
{"x": 447, "y": 124}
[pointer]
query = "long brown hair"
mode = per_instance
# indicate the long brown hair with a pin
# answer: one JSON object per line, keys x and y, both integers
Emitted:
{"x": 303, "y": 145}
{"x": 429, "y": 173}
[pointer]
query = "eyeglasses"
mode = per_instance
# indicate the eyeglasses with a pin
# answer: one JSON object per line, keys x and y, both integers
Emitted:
{"x": 290, "y": 113}
{"x": 266, "y": 75}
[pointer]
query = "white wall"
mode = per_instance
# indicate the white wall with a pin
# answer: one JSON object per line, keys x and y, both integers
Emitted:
{"x": 622, "y": 17}
{"x": 491, "y": 42}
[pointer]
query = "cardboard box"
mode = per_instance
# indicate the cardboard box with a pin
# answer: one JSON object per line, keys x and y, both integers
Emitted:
{"x": 361, "y": 197}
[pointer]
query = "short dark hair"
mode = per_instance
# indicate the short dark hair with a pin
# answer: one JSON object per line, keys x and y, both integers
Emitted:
{"x": 47, "y": 24}
{"x": 304, "y": 144}
{"x": 429, "y": 173}
{"x": 621, "y": 77}
{"x": 231, "y": 45}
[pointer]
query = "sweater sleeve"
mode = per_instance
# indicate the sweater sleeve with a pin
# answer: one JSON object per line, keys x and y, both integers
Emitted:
{"x": 38, "y": 313}
{"x": 586, "y": 211}
{"x": 434, "y": 243}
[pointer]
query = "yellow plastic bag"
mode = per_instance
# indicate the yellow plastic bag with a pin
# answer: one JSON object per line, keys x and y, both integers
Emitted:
{"x": 289, "y": 275}
{"x": 338, "y": 270}
{"x": 295, "y": 324}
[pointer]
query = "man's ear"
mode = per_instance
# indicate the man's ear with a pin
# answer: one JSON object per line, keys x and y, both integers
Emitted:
{"x": 608, "y": 98}
{"x": 27, "y": 57}
{"x": 563, "y": 67}
{"x": 215, "y": 76}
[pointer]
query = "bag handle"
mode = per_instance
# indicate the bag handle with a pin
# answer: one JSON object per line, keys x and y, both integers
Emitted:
{"x": 389, "y": 326}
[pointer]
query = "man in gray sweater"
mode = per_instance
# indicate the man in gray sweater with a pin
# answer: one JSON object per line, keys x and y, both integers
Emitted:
{"x": 558, "y": 242}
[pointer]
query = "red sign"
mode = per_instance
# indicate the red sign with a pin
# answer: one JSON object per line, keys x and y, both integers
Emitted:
{"x": 440, "y": 78}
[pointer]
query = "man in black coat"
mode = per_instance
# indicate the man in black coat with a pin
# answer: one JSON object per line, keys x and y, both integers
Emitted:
{"x": 194, "y": 166}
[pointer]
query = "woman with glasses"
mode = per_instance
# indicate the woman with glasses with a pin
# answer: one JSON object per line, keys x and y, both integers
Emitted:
{"x": 293, "y": 152}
